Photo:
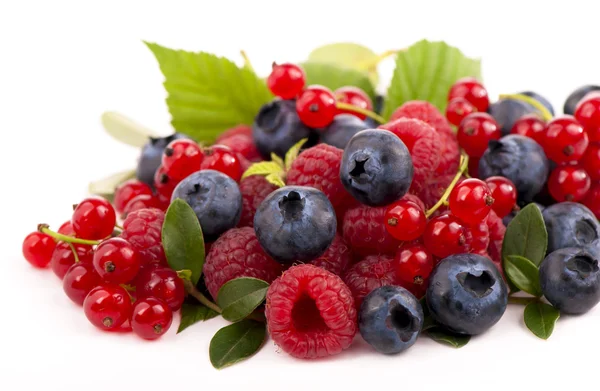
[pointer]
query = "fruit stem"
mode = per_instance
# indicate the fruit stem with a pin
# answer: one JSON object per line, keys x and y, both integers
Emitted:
{"x": 247, "y": 63}
{"x": 373, "y": 62}
{"x": 546, "y": 115}
{"x": 196, "y": 294}
{"x": 464, "y": 165}
{"x": 44, "y": 228}
{"x": 355, "y": 109}
{"x": 117, "y": 226}
{"x": 74, "y": 252}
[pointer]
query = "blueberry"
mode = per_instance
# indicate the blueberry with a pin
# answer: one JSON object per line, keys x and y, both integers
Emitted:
{"x": 519, "y": 159}
{"x": 151, "y": 157}
{"x": 295, "y": 223}
{"x": 545, "y": 102}
{"x": 277, "y": 128}
{"x": 570, "y": 224}
{"x": 376, "y": 167}
{"x": 576, "y": 96}
{"x": 466, "y": 294}
{"x": 570, "y": 280}
{"x": 215, "y": 198}
{"x": 390, "y": 319}
{"x": 507, "y": 111}
{"x": 508, "y": 218}
{"x": 341, "y": 130}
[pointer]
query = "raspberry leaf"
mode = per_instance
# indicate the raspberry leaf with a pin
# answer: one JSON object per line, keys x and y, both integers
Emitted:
{"x": 106, "y": 187}
{"x": 240, "y": 296}
{"x": 523, "y": 274}
{"x": 208, "y": 94}
{"x": 334, "y": 76}
{"x": 126, "y": 130}
{"x": 194, "y": 313}
{"x": 236, "y": 342}
{"x": 293, "y": 153}
{"x": 444, "y": 336}
{"x": 349, "y": 55}
{"x": 540, "y": 319}
{"x": 277, "y": 160}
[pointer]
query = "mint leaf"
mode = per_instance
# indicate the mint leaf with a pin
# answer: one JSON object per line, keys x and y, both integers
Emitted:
{"x": 334, "y": 77}
{"x": 540, "y": 319}
{"x": 182, "y": 239}
{"x": 194, "y": 313}
{"x": 348, "y": 55}
{"x": 236, "y": 342}
{"x": 444, "y": 336}
{"x": 426, "y": 71}
{"x": 240, "y": 296}
{"x": 523, "y": 274}
{"x": 106, "y": 187}
{"x": 208, "y": 94}
{"x": 126, "y": 130}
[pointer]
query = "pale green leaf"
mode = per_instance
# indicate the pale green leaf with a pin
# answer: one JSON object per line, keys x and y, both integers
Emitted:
{"x": 293, "y": 152}
{"x": 333, "y": 77}
{"x": 106, "y": 187}
{"x": 348, "y": 55}
{"x": 126, "y": 130}
{"x": 276, "y": 159}
{"x": 275, "y": 179}
{"x": 263, "y": 168}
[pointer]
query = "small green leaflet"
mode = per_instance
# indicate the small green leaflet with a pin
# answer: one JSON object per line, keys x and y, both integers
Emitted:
{"x": 236, "y": 342}
{"x": 439, "y": 334}
{"x": 523, "y": 274}
{"x": 240, "y": 296}
{"x": 126, "y": 130}
{"x": 106, "y": 187}
{"x": 333, "y": 77}
{"x": 540, "y": 319}
{"x": 263, "y": 168}
{"x": 526, "y": 235}
{"x": 194, "y": 313}
{"x": 348, "y": 55}
{"x": 293, "y": 153}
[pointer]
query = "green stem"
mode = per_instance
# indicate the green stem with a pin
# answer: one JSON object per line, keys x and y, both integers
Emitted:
{"x": 546, "y": 115}
{"x": 74, "y": 252}
{"x": 521, "y": 300}
{"x": 44, "y": 228}
{"x": 196, "y": 294}
{"x": 247, "y": 63}
{"x": 372, "y": 63}
{"x": 117, "y": 226}
{"x": 359, "y": 110}
{"x": 464, "y": 165}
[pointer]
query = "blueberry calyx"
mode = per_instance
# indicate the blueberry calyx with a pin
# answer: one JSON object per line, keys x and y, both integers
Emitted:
{"x": 495, "y": 145}
{"x": 402, "y": 321}
{"x": 271, "y": 118}
{"x": 358, "y": 172}
{"x": 197, "y": 189}
{"x": 585, "y": 231}
{"x": 583, "y": 265}
{"x": 477, "y": 285}
{"x": 291, "y": 206}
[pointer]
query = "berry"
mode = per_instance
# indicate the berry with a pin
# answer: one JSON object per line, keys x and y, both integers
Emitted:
{"x": 238, "y": 130}
{"x": 478, "y": 237}
{"x": 310, "y": 313}
{"x": 531, "y": 126}
{"x": 66, "y": 229}
{"x": 254, "y": 189}
{"x": 215, "y": 198}
{"x": 569, "y": 183}
{"x": 570, "y": 224}
{"x": 222, "y": 159}
{"x": 376, "y": 167}
{"x": 476, "y": 131}
{"x": 467, "y": 294}
{"x": 471, "y": 201}
{"x": 458, "y": 109}
{"x": 405, "y": 220}
{"x": 107, "y": 306}
{"x": 127, "y": 191}
{"x": 94, "y": 218}
{"x": 286, "y": 80}
{"x": 591, "y": 161}
{"x": 565, "y": 140}
{"x": 295, "y": 223}
{"x": 336, "y": 258}
{"x": 316, "y": 106}
{"x": 143, "y": 230}
{"x": 355, "y": 97}
{"x": 182, "y": 158}
{"x": 162, "y": 283}
{"x": 38, "y": 249}
{"x": 507, "y": 111}
{"x": 116, "y": 261}
{"x": 341, "y": 130}
{"x": 472, "y": 90}
{"x": 151, "y": 318}
{"x": 540, "y": 99}
{"x": 79, "y": 280}
{"x": 413, "y": 265}
{"x": 576, "y": 96}
{"x": 163, "y": 183}
{"x": 587, "y": 114}
{"x": 570, "y": 280}
{"x": 364, "y": 230}
{"x": 143, "y": 201}
{"x": 445, "y": 235}
{"x": 151, "y": 157}
{"x": 63, "y": 257}
{"x": 237, "y": 253}
{"x": 243, "y": 145}
{"x": 496, "y": 231}
{"x": 504, "y": 193}
{"x": 369, "y": 274}
{"x": 592, "y": 200}
{"x": 390, "y": 319}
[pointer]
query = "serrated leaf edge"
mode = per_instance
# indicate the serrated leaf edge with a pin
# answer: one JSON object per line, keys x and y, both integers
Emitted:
{"x": 293, "y": 153}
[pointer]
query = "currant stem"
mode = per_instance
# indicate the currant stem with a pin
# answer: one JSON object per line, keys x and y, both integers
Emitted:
{"x": 464, "y": 165}
{"x": 546, "y": 115}
{"x": 247, "y": 63}
{"x": 196, "y": 294}
{"x": 43, "y": 228}
{"x": 74, "y": 252}
{"x": 368, "y": 113}
{"x": 372, "y": 63}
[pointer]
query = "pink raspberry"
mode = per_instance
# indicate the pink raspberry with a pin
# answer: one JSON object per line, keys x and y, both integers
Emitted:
{"x": 244, "y": 130}
{"x": 497, "y": 231}
{"x": 336, "y": 258}
{"x": 254, "y": 190}
{"x": 364, "y": 230}
{"x": 310, "y": 312}
{"x": 143, "y": 229}
{"x": 371, "y": 273}
{"x": 243, "y": 145}
{"x": 234, "y": 254}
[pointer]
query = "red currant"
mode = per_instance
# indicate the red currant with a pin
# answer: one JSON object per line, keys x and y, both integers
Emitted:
{"x": 587, "y": 113}
{"x": 531, "y": 126}
{"x": 128, "y": 190}
{"x": 472, "y": 90}
{"x": 316, "y": 106}
{"x": 163, "y": 183}
{"x": 474, "y": 167}
{"x": 94, "y": 218}
{"x": 471, "y": 201}
{"x": 355, "y": 97}
{"x": 163, "y": 202}
{"x": 414, "y": 264}
{"x": 66, "y": 229}
{"x": 444, "y": 236}
{"x": 504, "y": 194}
{"x": 116, "y": 261}
{"x": 591, "y": 161}
{"x": 222, "y": 159}
{"x": 405, "y": 220}
{"x": 478, "y": 238}
{"x": 38, "y": 248}
{"x": 569, "y": 183}
{"x": 79, "y": 280}
{"x": 476, "y": 131}
{"x": 458, "y": 109}
{"x": 63, "y": 257}
{"x": 592, "y": 199}
{"x": 151, "y": 318}
{"x": 565, "y": 140}
{"x": 142, "y": 201}
{"x": 107, "y": 306}
{"x": 181, "y": 158}
{"x": 162, "y": 283}
{"x": 286, "y": 80}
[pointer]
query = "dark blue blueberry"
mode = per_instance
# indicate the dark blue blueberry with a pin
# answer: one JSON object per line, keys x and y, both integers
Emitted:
{"x": 576, "y": 96}
{"x": 341, "y": 130}
{"x": 570, "y": 224}
{"x": 466, "y": 294}
{"x": 545, "y": 102}
{"x": 507, "y": 111}
{"x": 295, "y": 223}
{"x": 390, "y": 319}
{"x": 376, "y": 167}
{"x": 570, "y": 280}
{"x": 519, "y": 159}
{"x": 215, "y": 198}
{"x": 151, "y": 157}
{"x": 508, "y": 218}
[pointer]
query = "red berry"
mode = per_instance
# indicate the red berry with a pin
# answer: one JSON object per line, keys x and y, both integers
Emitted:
{"x": 569, "y": 183}
{"x": 565, "y": 140}
{"x": 66, "y": 229}
{"x": 116, "y": 261}
{"x": 414, "y": 264}
{"x": 471, "y": 201}
{"x": 254, "y": 189}
{"x": 592, "y": 199}
{"x": 369, "y": 274}
{"x": 107, "y": 306}
{"x": 445, "y": 236}
{"x": 474, "y": 167}
{"x": 458, "y": 109}
{"x": 476, "y": 131}
{"x": 531, "y": 126}
{"x": 364, "y": 230}
{"x": 163, "y": 183}
{"x": 38, "y": 248}
{"x": 238, "y": 130}
{"x": 286, "y": 80}
{"x": 591, "y": 161}
{"x": 143, "y": 201}
{"x": 316, "y": 106}
{"x": 143, "y": 230}
{"x": 496, "y": 229}
{"x": 79, "y": 280}
{"x": 504, "y": 193}
{"x": 355, "y": 97}
{"x": 162, "y": 283}
{"x": 128, "y": 190}
{"x": 94, "y": 218}
{"x": 472, "y": 90}
{"x": 222, "y": 159}
{"x": 405, "y": 220}
{"x": 587, "y": 113}
{"x": 181, "y": 158}
{"x": 336, "y": 258}
{"x": 151, "y": 318}
{"x": 242, "y": 145}
{"x": 63, "y": 257}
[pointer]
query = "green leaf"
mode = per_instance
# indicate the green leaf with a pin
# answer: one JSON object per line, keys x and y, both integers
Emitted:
{"x": 185, "y": 274}
{"x": 526, "y": 236}
{"x": 441, "y": 335}
{"x": 263, "y": 168}
{"x": 194, "y": 313}
{"x": 523, "y": 274}
{"x": 277, "y": 160}
{"x": 275, "y": 180}
{"x": 106, "y": 187}
{"x": 334, "y": 77}
{"x": 208, "y": 94}
{"x": 293, "y": 153}
{"x": 236, "y": 342}
{"x": 240, "y": 296}
{"x": 182, "y": 239}
{"x": 540, "y": 319}
{"x": 426, "y": 71}
{"x": 348, "y": 55}
{"x": 126, "y": 130}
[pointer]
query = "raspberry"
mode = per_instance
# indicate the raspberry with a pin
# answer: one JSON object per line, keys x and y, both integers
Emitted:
{"x": 245, "y": 130}
{"x": 415, "y": 199}
{"x": 364, "y": 230}
{"x": 237, "y": 253}
{"x": 243, "y": 145}
{"x": 142, "y": 229}
{"x": 336, "y": 258}
{"x": 310, "y": 313}
{"x": 254, "y": 190}
{"x": 496, "y": 232}
{"x": 371, "y": 273}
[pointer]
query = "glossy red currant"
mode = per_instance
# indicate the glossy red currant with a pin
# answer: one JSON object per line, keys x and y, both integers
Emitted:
{"x": 444, "y": 236}
{"x": 94, "y": 218}
{"x": 471, "y": 201}
{"x": 592, "y": 199}
{"x": 355, "y": 97}
{"x": 569, "y": 183}
{"x": 405, "y": 220}
{"x": 472, "y": 90}
{"x": 66, "y": 229}
{"x": 181, "y": 158}
{"x": 162, "y": 283}
{"x": 286, "y": 80}
{"x": 565, "y": 140}
{"x": 116, "y": 261}
{"x": 478, "y": 237}
{"x": 63, "y": 257}
{"x": 587, "y": 114}
{"x": 221, "y": 158}
{"x": 79, "y": 280}
{"x": 476, "y": 131}
{"x": 128, "y": 190}
{"x": 151, "y": 318}
{"x": 163, "y": 183}
{"x": 591, "y": 161}
{"x": 458, "y": 109}
{"x": 316, "y": 106}
{"x": 531, "y": 126}
{"x": 504, "y": 193}
{"x": 107, "y": 306}
{"x": 142, "y": 201}
{"x": 38, "y": 248}
{"x": 414, "y": 264}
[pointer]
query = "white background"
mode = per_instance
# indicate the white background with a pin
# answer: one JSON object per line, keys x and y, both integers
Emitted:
{"x": 63, "y": 63}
